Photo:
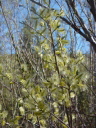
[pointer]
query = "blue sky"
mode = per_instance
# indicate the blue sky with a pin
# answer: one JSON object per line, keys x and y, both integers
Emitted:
{"x": 21, "y": 13}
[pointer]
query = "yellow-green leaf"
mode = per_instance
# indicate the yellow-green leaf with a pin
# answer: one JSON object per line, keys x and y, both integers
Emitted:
{"x": 22, "y": 110}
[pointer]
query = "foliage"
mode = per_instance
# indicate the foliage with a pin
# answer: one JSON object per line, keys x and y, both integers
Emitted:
{"x": 41, "y": 89}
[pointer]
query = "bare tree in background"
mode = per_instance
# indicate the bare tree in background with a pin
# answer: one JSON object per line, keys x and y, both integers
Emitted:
{"x": 78, "y": 18}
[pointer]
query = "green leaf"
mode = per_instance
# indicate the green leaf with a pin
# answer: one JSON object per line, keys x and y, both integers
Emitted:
{"x": 34, "y": 119}
{"x": 30, "y": 116}
{"x": 41, "y": 32}
{"x": 68, "y": 103}
{"x": 55, "y": 24}
{"x": 43, "y": 122}
{"x": 3, "y": 122}
{"x": 61, "y": 13}
{"x": 64, "y": 42}
{"x": 55, "y": 104}
{"x": 28, "y": 105}
{"x": 4, "y": 114}
{"x": 24, "y": 91}
{"x": 72, "y": 95}
{"x": 23, "y": 82}
{"x": 46, "y": 1}
{"x": 42, "y": 23}
{"x": 20, "y": 100}
{"x": 60, "y": 29}
{"x": 33, "y": 9}
{"x": 58, "y": 52}
{"x": 42, "y": 11}
{"x": 24, "y": 67}
{"x": 9, "y": 76}
{"x": 22, "y": 110}
{"x": 79, "y": 76}
{"x": 16, "y": 122}
{"x": 38, "y": 97}
{"x": 37, "y": 112}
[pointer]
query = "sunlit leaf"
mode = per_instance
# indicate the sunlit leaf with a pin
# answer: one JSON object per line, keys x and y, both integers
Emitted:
{"x": 3, "y": 122}
{"x": 22, "y": 110}
{"x": 72, "y": 95}
{"x": 9, "y": 76}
